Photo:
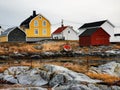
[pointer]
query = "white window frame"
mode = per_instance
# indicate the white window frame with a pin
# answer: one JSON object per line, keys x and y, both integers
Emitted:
{"x": 44, "y": 31}
{"x": 44, "y": 23}
{"x": 36, "y": 23}
{"x": 35, "y": 31}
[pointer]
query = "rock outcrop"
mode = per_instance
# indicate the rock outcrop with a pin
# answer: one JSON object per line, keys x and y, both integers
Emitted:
{"x": 111, "y": 68}
{"x": 59, "y": 78}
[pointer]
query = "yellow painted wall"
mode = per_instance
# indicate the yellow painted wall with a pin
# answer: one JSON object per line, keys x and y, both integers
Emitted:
{"x": 30, "y": 32}
{"x": 3, "y": 39}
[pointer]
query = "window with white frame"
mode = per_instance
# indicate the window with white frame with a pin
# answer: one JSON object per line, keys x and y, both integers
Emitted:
{"x": 36, "y": 31}
{"x": 44, "y": 23}
{"x": 44, "y": 32}
{"x": 35, "y": 23}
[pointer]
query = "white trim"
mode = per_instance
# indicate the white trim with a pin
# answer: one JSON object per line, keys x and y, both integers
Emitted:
{"x": 36, "y": 29}
{"x": 44, "y": 23}
{"x": 36, "y": 23}
{"x": 44, "y": 29}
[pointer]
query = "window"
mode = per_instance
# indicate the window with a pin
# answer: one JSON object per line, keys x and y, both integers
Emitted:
{"x": 36, "y": 31}
{"x": 40, "y": 17}
{"x": 68, "y": 31}
{"x": 44, "y": 32}
{"x": 44, "y": 23}
{"x": 35, "y": 23}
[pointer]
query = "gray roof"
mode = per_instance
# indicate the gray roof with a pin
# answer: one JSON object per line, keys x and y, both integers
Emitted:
{"x": 6, "y": 32}
{"x": 89, "y": 32}
{"x": 94, "y": 24}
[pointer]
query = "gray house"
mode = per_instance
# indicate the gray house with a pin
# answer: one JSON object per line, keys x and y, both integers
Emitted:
{"x": 14, "y": 34}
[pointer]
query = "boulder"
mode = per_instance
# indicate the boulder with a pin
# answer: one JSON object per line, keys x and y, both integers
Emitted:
{"x": 63, "y": 75}
{"x": 10, "y": 78}
{"x": 1, "y": 75}
{"x": 28, "y": 88}
{"x": 111, "y": 68}
{"x": 16, "y": 70}
{"x": 24, "y": 75}
{"x": 79, "y": 87}
{"x": 31, "y": 77}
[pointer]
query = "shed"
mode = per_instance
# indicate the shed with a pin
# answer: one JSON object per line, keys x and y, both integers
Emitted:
{"x": 93, "y": 37}
{"x": 14, "y": 34}
{"x": 65, "y": 33}
{"x": 104, "y": 24}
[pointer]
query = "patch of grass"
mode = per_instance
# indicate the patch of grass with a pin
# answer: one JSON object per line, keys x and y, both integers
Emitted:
{"x": 3, "y": 68}
{"x": 105, "y": 77}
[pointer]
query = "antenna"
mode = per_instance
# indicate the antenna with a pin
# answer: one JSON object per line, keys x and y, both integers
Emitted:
{"x": 62, "y": 23}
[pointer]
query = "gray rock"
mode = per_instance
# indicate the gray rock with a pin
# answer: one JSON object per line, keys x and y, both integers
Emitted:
{"x": 115, "y": 87}
{"x": 10, "y": 78}
{"x": 36, "y": 80}
{"x": 104, "y": 87}
{"x": 45, "y": 75}
{"x": 65, "y": 76}
{"x": 1, "y": 75}
{"x": 28, "y": 88}
{"x": 79, "y": 87}
{"x": 36, "y": 88}
{"x": 63, "y": 87}
{"x": 93, "y": 87}
{"x": 24, "y": 79}
{"x": 111, "y": 68}
{"x": 17, "y": 70}
{"x": 16, "y": 89}
{"x": 57, "y": 79}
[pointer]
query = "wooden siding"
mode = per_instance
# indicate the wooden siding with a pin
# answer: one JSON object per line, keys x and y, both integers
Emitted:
{"x": 3, "y": 38}
{"x": 40, "y": 27}
{"x": 99, "y": 37}
{"x": 16, "y": 35}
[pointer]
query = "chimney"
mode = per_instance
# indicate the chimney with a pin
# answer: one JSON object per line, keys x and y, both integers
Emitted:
{"x": 34, "y": 13}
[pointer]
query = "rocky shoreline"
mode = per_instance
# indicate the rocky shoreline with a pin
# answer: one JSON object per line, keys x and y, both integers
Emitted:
{"x": 59, "y": 78}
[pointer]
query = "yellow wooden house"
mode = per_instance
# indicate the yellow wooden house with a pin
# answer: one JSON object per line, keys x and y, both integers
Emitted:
{"x": 36, "y": 27}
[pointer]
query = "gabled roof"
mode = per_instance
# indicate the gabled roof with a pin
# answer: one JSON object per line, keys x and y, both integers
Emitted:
{"x": 59, "y": 30}
{"x": 89, "y": 32}
{"x": 26, "y": 22}
{"x": 94, "y": 24}
{"x": 6, "y": 32}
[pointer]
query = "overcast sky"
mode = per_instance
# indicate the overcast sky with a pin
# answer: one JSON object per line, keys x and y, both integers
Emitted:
{"x": 73, "y": 12}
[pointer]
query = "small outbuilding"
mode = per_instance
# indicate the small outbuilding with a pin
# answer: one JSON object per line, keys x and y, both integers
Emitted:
{"x": 65, "y": 33}
{"x": 93, "y": 37}
{"x": 14, "y": 34}
{"x": 104, "y": 24}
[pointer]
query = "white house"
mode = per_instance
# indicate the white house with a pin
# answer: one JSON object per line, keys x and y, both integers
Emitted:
{"x": 1, "y": 30}
{"x": 117, "y": 34}
{"x": 105, "y": 24}
{"x": 66, "y": 33}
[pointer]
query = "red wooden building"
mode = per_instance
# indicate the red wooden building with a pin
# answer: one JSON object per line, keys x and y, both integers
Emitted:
{"x": 93, "y": 37}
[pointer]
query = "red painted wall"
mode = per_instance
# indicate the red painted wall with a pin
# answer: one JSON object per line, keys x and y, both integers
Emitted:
{"x": 100, "y": 37}
{"x": 85, "y": 41}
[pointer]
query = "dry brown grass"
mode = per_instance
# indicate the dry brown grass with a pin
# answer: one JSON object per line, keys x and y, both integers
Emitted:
{"x": 3, "y": 68}
{"x": 105, "y": 77}
{"x": 57, "y": 46}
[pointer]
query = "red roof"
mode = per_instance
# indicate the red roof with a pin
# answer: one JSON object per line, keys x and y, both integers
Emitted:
{"x": 60, "y": 29}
